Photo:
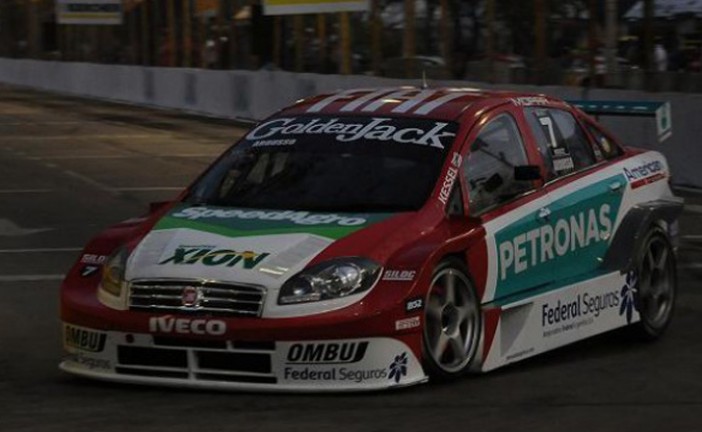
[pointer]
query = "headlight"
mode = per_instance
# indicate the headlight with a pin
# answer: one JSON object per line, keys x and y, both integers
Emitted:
{"x": 112, "y": 281}
{"x": 329, "y": 280}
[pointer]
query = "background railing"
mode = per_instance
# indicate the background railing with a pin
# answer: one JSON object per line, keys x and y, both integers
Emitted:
{"x": 634, "y": 44}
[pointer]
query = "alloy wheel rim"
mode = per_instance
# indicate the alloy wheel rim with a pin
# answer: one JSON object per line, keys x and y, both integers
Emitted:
{"x": 451, "y": 325}
{"x": 656, "y": 283}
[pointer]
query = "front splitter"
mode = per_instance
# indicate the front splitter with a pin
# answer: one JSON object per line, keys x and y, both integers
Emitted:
{"x": 289, "y": 366}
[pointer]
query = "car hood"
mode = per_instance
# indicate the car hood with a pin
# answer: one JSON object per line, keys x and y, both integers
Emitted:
{"x": 248, "y": 246}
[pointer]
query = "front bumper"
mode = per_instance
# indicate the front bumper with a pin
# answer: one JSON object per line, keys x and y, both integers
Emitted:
{"x": 306, "y": 365}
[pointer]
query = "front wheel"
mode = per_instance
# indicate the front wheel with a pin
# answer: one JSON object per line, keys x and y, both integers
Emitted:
{"x": 452, "y": 321}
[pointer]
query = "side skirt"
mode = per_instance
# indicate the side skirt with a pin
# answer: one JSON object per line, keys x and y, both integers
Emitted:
{"x": 522, "y": 328}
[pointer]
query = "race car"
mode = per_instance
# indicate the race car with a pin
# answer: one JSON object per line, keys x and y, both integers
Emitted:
{"x": 378, "y": 238}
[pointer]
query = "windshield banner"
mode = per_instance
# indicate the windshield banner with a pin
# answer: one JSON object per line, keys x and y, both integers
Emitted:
{"x": 286, "y": 131}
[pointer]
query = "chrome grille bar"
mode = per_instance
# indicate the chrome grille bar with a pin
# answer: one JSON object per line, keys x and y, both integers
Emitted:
{"x": 196, "y": 297}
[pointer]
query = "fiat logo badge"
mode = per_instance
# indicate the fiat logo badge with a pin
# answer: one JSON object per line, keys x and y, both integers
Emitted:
{"x": 191, "y": 296}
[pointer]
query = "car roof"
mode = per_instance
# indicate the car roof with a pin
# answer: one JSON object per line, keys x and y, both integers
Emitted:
{"x": 445, "y": 103}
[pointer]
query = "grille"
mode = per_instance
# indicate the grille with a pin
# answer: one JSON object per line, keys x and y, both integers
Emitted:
{"x": 187, "y": 359}
{"x": 196, "y": 297}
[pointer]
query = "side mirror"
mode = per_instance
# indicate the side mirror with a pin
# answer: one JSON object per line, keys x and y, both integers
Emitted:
{"x": 454, "y": 209}
{"x": 527, "y": 173}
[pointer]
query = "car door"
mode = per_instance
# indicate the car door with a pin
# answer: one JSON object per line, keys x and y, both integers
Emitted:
{"x": 507, "y": 207}
{"x": 583, "y": 195}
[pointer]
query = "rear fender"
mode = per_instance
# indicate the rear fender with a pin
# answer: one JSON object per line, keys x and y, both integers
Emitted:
{"x": 634, "y": 227}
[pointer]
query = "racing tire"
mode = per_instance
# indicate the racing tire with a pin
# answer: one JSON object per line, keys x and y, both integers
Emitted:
{"x": 655, "y": 280}
{"x": 452, "y": 322}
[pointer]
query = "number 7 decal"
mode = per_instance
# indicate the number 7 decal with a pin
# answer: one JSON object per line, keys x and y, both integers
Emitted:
{"x": 546, "y": 121}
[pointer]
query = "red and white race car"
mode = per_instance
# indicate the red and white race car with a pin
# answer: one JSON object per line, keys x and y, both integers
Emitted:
{"x": 376, "y": 238}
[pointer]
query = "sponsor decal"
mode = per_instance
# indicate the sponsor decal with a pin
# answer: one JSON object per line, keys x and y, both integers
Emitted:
{"x": 526, "y": 101}
{"x": 334, "y": 374}
{"x": 644, "y": 174}
{"x": 93, "y": 259}
{"x": 209, "y": 256}
{"x": 89, "y": 270}
{"x": 88, "y": 361}
{"x": 170, "y": 324}
{"x": 555, "y": 239}
{"x": 585, "y": 304}
{"x": 376, "y": 129}
{"x": 296, "y": 217}
{"x": 533, "y": 250}
{"x": 643, "y": 170}
{"x": 450, "y": 178}
{"x": 420, "y": 102}
{"x": 326, "y": 353}
{"x": 414, "y": 304}
{"x": 398, "y": 368}
{"x": 399, "y": 275}
{"x": 407, "y": 323}
{"x": 584, "y": 309}
{"x": 519, "y": 354}
{"x": 273, "y": 143}
{"x": 343, "y": 361}
{"x": 563, "y": 164}
{"x": 330, "y": 361}
{"x": 627, "y": 293}
{"x": 83, "y": 339}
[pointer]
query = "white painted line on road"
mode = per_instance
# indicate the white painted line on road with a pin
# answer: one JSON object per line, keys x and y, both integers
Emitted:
{"x": 40, "y": 250}
{"x": 693, "y": 208}
{"x": 88, "y": 180}
{"x": 33, "y": 123}
{"x": 190, "y": 155}
{"x": 24, "y": 191}
{"x": 79, "y": 136}
{"x": 8, "y": 228}
{"x": 44, "y": 158}
{"x": 692, "y": 237}
{"x": 690, "y": 266}
{"x": 31, "y": 278}
{"x": 148, "y": 188}
{"x": 142, "y": 156}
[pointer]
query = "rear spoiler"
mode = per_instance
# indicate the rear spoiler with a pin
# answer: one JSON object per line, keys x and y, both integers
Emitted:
{"x": 659, "y": 110}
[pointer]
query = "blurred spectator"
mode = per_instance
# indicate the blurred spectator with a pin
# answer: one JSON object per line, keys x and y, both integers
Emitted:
{"x": 209, "y": 54}
{"x": 660, "y": 56}
{"x": 164, "y": 48}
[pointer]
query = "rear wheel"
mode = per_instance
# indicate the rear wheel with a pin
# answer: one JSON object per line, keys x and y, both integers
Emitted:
{"x": 452, "y": 321}
{"x": 655, "y": 280}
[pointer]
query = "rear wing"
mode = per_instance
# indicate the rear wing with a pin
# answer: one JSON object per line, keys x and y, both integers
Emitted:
{"x": 659, "y": 110}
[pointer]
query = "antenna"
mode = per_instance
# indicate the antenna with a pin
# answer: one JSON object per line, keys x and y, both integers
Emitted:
{"x": 425, "y": 85}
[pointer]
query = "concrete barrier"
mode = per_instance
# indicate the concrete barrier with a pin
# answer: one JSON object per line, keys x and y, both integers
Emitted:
{"x": 255, "y": 95}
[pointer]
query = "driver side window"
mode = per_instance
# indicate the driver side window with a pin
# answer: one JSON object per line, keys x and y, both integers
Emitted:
{"x": 489, "y": 167}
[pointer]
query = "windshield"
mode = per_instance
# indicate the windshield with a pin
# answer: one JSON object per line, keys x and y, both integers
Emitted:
{"x": 319, "y": 163}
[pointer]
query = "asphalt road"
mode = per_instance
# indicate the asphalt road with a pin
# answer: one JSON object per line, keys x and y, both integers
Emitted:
{"x": 69, "y": 168}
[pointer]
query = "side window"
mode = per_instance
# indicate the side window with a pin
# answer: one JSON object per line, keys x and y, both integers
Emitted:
{"x": 489, "y": 167}
{"x": 605, "y": 145}
{"x": 563, "y": 144}
{"x": 544, "y": 131}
